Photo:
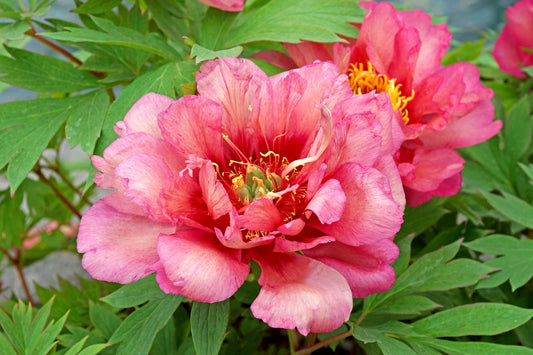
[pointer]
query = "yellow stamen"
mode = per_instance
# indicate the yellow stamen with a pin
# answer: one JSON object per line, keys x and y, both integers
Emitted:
{"x": 364, "y": 81}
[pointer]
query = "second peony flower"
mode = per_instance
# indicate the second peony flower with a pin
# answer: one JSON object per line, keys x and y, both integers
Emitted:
{"x": 292, "y": 171}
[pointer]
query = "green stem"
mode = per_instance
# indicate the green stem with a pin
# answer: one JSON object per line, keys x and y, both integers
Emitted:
{"x": 293, "y": 340}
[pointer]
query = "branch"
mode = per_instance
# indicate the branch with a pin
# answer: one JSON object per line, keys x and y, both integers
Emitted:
{"x": 57, "y": 192}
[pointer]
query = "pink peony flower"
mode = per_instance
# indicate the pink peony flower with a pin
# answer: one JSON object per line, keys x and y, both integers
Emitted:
{"x": 516, "y": 36}
{"x": 440, "y": 108}
{"x": 226, "y": 5}
{"x": 292, "y": 171}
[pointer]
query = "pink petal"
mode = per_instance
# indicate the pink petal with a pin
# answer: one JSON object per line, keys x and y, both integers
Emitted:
{"x": 473, "y": 128}
{"x": 301, "y": 243}
{"x": 293, "y": 227}
{"x": 181, "y": 197}
{"x": 261, "y": 215}
{"x": 233, "y": 83}
{"x": 214, "y": 194}
{"x": 193, "y": 125}
{"x": 387, "y": 166}
{"x": 128, "y": 146}
{"x": 507, "y": 53}
{"x": 143, "y": 177}
{"x": 370, "y": 214}
{"x": 366, "y": 268}
{"x": 196, "y": 266}
{"x": 277, "y": 58}
{"x": 307, "y": 52}
{"x": 328, "y": 202}
{"x": 432, "y": 167}
{"x": 118, "y": 247}
{"x": 226, "y": 5}
{"x": 142, "y": 116}
{"x": 301, "y": 293}
{"x": 447, "y": 187}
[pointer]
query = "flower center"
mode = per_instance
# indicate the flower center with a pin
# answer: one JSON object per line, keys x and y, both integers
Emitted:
{"x": 364, "y": 81}
{"x": 252, "y": 183}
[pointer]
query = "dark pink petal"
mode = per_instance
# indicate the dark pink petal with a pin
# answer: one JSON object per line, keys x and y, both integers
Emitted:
{"x": 387, "y": 166}
{"x": 226, "y": 5}
{"x": 314, "y": 181}
{"x": 277, "y": 58}
{"x": 306, "y": 52}
{"x": 233, "y": 83}
{"x": 198, "y": 267}
{"x": 143, "y": 176}
{"x": 193, "y": 125}
{"x": 260, "y": 215}
{"x": 432, "y": 167}
{"x": 118, "y": 247}
{"x": 519, "y": 17}
{"x": 448, "y": 187}
{"x": 370, "y": 214}
{"x": 475, "y": 127}
{"x": 508, "y": 55}
{"x": 233, "y": 238}
{"x": 215, "y": 196}
{"x": 300, "y": 292}
{"x": 366, "y": 268}
{"x": 142, "y": 116}
{"x": 301, "y": 243}
{"x": 328, "y": 202}
{"x": 181, "y": 197}
{"x": 293, "y": 227}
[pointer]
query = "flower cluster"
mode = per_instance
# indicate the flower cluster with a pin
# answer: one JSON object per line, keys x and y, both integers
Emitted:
{"x": 292, "y": 171}
{"x": 516, "y": 36}
{"x": 440, "y": 108}
{"x": 306, "y": 173}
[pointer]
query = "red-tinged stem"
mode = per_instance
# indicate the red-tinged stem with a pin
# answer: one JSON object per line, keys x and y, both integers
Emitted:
{"x": 310, "y": 349}
{"x": 67, "y": 181}
{"x": 58, "y": 193}
{"x": 31, "y": 32}
{"x": 16, "y": 263}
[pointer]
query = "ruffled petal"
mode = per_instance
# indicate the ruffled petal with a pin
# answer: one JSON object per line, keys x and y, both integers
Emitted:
{"x": 366, "y": 268}
{"x": 193, "y": 125}
{"x": 142, "y": 116}
{"x": 301, "y": 293}
{"x": 370, "y": 214}
{"x": 143, "y": 176}
{"x": 214, "y": 194}
{"x": 328, "y": 202}
{"x": 196, "y": 266}
{"x": 261, "y": 215}
{"x": 118, "y": 247}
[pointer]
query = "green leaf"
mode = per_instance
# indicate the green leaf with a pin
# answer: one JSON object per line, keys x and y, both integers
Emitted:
{"x": 408, "y": 305}
{"x": 137, "y": 332}
{"x": 202, "y": 53}
{"x": 518, "y": 129}
{"x": 26, "y": 127}
{"x": 516, "y": 264}
{"x": 5, "y": 346}
{"x": 466, "y": 52}
{"x": 96, "y": 6}
{"x": 415, "y": 276}
{"x": 466, "y": 348}
{"x": 119, "y": 36}
{"x": 86, "y": 120}
{"x": 208, "y": 326}
{"x": 512, "y": 207}
{"x": 39, "y": 72}
{"x": 135, "y": 293}
{"x": 103, "y": 319}
{"x": 295, "y": 20}
{"x": 388, "y": 345}
{"x": 165, "y": 341}
{"x": 473, "y": 319}
{"x": 215, "y": 27}
{"x": 528, "y": 169}
{"x": 93, "y": 349}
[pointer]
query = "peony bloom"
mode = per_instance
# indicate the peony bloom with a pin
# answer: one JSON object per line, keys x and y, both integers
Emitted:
{"x": 440, "y": 108}
{"x": 226, "y": 5}
{"x": 516, "y": 36}
{"x": 291, "y": 171}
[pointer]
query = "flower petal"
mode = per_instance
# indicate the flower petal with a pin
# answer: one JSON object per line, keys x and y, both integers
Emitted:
{"x": 198, "y": 267}
{"x": 226, "y": 5}
{"x": 261, "y": 215}
{"x": 214, "y": 194}
{"x": 143, "y": 177}
{"x": 300, "y": 292}
{"x": 118, "y": 247}
{"x": 370, "y": 214}
{"x": 142, "y": 116}
{"x": 328, "y": 202}
{"x": 193, "y": 125}
{"x": 366, "y": 268}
